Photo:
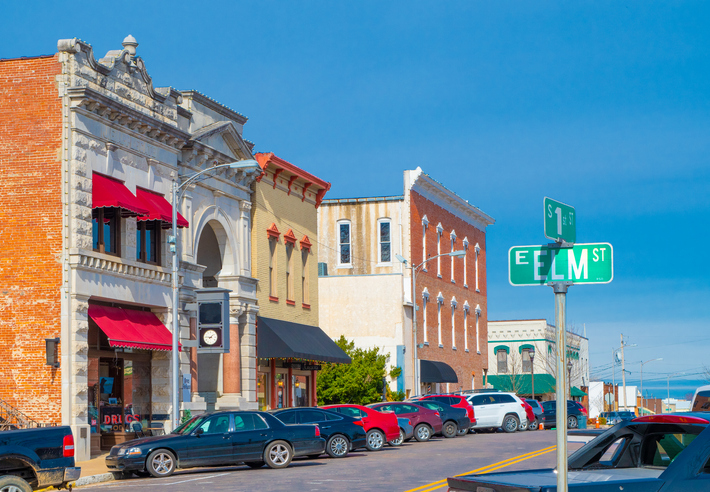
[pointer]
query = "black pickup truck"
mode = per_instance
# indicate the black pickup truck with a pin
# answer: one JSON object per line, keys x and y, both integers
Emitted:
{"x": 37, "y": 458}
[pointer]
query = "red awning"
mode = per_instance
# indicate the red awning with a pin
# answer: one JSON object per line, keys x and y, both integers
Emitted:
{"x": 109, "y": 192}
{"x": 160, "y": 209}
{"x": 131, "y": 328}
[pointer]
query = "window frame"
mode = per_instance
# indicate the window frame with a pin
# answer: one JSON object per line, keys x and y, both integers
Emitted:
{"x": 273, "y": 263}
{"x": 380, "y": 222}
{"x": 114, "y": 225}
{"x": 290, "y": 291}
{"x": 141, "y": 249}
{"x": 504, "y": 362}
{"x": 305, "y": 279}
{"x": 339, "y": 263}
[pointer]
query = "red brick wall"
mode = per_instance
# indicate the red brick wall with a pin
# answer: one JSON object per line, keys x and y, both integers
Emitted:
{"x": 30, "y": 234}
{"x": 464, "y": 363}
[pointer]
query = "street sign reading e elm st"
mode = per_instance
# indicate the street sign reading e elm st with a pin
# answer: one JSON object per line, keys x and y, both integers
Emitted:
{"x": 560, "y": 221}
{"x": 582, "y": 264}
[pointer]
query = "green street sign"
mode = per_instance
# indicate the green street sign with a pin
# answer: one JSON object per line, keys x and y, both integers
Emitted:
{"x": 581, "y": 264}
{"x": 560, "y": 221}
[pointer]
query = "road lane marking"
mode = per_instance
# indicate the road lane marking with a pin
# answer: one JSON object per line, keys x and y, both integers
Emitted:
{"x": 495, "y": 466}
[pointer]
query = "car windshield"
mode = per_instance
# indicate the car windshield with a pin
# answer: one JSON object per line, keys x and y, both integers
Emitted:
{"x": 189, "y": 426}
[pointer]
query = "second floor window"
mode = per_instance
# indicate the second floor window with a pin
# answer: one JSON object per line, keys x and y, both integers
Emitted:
{"x": 527, "y": 365}
{"x": 344, "y": 243}
{"x": 305, "y": 284}
{"x": 273, "y": 293}
{"x": 502, "y": 361}
{"x": 148, "y": 241}
{"x": 385, "y": 241}
{"x": 289, "y": 273}
{"x": 106, "y": 230}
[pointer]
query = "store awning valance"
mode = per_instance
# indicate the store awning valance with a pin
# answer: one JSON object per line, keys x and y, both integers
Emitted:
{"x": 278, "y": 339}
{"x": 159, "y": 209}
{"x": 522, "y": 383}
{"x": 577, "y": 392}
{"x": 109, "y": 192}
{"x": 130, "y": 328}
{"x": 431, "y": 371}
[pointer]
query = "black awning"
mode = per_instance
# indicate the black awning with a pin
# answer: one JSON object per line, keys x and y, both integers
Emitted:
{"x": 278, "y": 339}
{"x": 432, "y": 371}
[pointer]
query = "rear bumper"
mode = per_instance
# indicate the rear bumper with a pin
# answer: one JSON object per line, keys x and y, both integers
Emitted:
{"x": 72, "y": 473}
{"x": 310, "y": 446}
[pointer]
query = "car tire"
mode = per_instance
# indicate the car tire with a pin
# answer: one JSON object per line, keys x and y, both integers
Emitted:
{"x": 255, "y": 464}
{"x": 337, "y": 446}
{"x": 375, "y": 440}
{"x": 572, "y": 422}
{"x": 510, "y": 423}
{"x": 523, "y": 425}
{"x": 161, "y": 463}
{"x": 399, "y": 440}
{"x": 278, "y": 454}
{"x": 534, "y": 425}
{"x": 450, "y": 429}
{"x": 11, "y": 483}
{"x": 422, "y": 433}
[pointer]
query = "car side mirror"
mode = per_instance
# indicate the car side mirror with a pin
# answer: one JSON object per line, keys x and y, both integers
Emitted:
{"x": 199, "y": 432}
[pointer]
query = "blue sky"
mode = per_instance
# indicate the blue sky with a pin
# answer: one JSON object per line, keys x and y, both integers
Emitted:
{"x": 602, "y": 105}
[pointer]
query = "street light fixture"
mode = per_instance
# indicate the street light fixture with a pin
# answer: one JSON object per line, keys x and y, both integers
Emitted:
{"x": 643, "y": 403}
{"x": 414, "y": 269}
{"x": 531, "y": 353}
{"x": 569, "y": 377}
{"x": 177, "y": 194}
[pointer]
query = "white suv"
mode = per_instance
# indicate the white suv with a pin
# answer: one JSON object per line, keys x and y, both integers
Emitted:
{"x": 498, "y": 409}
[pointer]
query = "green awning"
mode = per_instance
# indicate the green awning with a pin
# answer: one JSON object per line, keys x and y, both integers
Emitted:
{"x": 577, "y": 392}
{"x": 522, "y": 383}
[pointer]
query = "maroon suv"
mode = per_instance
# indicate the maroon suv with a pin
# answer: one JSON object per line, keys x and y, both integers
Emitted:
{"x": 426, "y": 422}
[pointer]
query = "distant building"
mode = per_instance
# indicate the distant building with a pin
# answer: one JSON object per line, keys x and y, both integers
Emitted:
{"x": 366, "y": 291}
{"x": 510, "y": 345}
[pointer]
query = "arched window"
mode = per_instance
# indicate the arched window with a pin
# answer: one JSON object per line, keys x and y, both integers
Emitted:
{"x": 453, "y": 322}
{"x": 425, "y": 299}
{"x": 439, "y": 303}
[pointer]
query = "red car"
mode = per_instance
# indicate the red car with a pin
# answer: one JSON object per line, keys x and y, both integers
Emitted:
{"x": 456, "y": 401}
{"x": 380, "y": 427}
{"x": 426, "y": 422}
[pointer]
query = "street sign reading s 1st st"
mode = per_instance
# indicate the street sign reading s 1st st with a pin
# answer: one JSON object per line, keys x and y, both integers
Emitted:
{"x": 591, "y": 263}
{"x": 560, "y": 221}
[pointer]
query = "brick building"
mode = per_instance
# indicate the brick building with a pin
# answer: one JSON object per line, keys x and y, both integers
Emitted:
{"x": 284, "y": 259}
{"x": 367, "y": 292}
{"x": 88, "y": 154}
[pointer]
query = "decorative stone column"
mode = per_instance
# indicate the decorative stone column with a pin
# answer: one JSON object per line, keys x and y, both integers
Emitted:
{"x": 75, "y": 360}
{"x": 245, "y": 237}
{"x": 232, "y": 364}
{"x": 247, "y": 333}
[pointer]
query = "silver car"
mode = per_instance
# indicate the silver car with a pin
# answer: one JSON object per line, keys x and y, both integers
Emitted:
{"x": 406, "y": 432}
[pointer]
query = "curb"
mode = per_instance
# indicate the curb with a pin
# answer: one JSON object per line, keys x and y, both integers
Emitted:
{"x": 102, "y": 477}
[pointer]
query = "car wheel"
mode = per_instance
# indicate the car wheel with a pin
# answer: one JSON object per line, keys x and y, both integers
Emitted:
{"x": 337, "y": 446}
{"x": 450, "y": 429}
{"x": 375, "y": 440}
{"x": 534, "y": 425}
{"x": 12, "y": 483}
{"x": 255, "y": 464}
{"x": 510, "y": 423}
{"x": 278, "y": 454}
{"x": 422, "y": 433}
{"x": 523, "y": 425}
{"x": 161, "y": 463}
{"x": 571, "y": 422}
{"x": 399, "y": 440}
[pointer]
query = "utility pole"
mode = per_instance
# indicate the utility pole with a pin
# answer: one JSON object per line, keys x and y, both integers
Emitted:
{"x": 623, "y": 370}
{"x": 613, "y": 379}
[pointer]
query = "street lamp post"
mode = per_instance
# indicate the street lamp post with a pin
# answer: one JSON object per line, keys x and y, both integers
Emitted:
{"x": 414, "y": 304}
{"x": 668, "y": 401}
{"x": 177, "y": 194}
{"x": 531, "y": 352}
{"x": 643, "y": 403}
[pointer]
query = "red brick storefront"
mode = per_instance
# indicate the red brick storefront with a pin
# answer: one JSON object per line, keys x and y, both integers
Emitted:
{"x": 31, "y": 234}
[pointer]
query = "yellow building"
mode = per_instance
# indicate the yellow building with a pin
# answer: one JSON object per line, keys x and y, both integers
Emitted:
{"x": 285, "y": 261}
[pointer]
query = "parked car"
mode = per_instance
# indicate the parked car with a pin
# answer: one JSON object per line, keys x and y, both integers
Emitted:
{"x": 497, "y": 410}
{"x": 456, "y": 401}
{"x": 37, "y": 458}
{"x": 549, "y": 418}
{"x": 530, "y": 419}
{"x": 406, "y": 432}
{"x": 668, "y": 452}
{"x": 426, "y": 422}
{"x": 537, "y": 411}
{"x": 613, "y": 418}
{"x": 218, "y": 438}
{"x": 451, "y": 417}
{"x": 342, "y": 433}
{"x": 701, "y": 400}
{"x": 381, "y": 427}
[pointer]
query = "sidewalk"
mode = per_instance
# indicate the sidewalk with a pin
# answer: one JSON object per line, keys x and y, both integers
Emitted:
{"x": 94, "y": 471}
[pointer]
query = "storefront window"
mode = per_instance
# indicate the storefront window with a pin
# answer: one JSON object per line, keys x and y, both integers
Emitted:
{"x": 262, "y": 391}
{"x": 301, "y": 391}
{"x": 281, "y": 390}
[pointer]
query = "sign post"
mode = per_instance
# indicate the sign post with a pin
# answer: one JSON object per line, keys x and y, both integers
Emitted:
{"x": 560, "y": 265}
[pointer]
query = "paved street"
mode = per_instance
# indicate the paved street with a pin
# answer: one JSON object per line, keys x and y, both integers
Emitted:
{"x": 414, "y": 466}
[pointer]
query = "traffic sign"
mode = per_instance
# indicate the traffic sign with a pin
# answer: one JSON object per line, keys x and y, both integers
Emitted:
{"x": 580, "y": 264}
{"x": 560, "y": 221}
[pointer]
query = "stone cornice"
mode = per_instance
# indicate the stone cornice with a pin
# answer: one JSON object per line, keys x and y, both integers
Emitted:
{"x": 118, "y": 113}
{"x": 210, "y": 103}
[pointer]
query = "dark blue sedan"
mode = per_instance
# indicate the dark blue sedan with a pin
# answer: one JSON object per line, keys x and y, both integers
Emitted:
{"x": 342, "y": 433}
{"x": 216, "y": 439}
{"x": 658, "y": 453}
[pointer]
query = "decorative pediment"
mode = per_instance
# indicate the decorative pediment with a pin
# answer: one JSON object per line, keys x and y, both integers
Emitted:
{"x": 223, "y": 137}
{"x": 305, "y": 243}
{"x": 273, "y": 232}
{"x": 290, "y": 238}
